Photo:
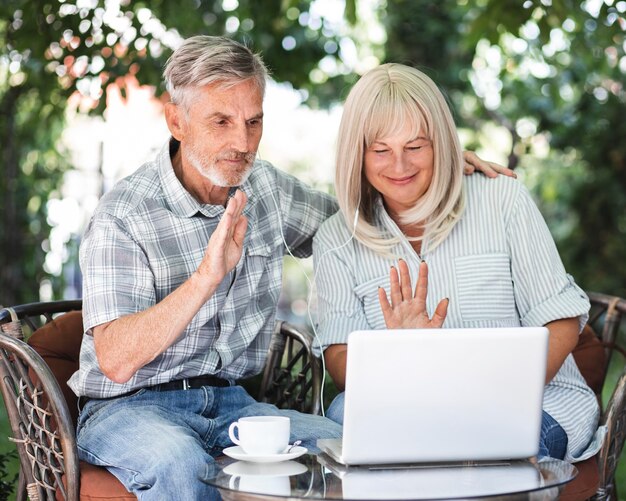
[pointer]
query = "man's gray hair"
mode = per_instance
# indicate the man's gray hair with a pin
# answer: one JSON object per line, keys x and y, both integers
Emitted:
{"x": 204, "y": 60}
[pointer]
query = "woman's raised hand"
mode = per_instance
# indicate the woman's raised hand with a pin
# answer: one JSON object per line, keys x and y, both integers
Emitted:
{"x": 407, "y": 310}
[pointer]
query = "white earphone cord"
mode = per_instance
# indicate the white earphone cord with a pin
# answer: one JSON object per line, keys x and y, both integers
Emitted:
{"x": 312, "y": 284}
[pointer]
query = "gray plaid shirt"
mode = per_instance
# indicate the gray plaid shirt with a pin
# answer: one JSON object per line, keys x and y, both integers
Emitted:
{"x": 148, "y": 235}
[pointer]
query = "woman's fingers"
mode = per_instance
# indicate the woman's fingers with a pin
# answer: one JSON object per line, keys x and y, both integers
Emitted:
{"x": 405, "y": 280}
{"x": 394, "y": 287}
{"x": 405, "y": 309}
{"x": 421, "y": 288}
{"x": 441, "y": 311}
{"x": 384, "y": 305}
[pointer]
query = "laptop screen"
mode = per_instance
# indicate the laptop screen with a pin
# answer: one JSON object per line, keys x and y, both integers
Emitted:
{"x": 443, "y": 394}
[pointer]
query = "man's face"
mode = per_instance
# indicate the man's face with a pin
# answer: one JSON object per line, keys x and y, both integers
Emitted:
{"x": 221, "y": 131}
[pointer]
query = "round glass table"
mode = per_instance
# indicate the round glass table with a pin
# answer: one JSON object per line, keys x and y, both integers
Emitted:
{"x": 318, "y": 477}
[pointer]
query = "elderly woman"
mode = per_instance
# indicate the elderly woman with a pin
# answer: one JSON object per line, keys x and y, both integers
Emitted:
{"x": 479, "y": 246}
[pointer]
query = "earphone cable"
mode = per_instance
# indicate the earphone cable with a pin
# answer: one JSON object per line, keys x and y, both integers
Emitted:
{"x": 311, "y": 284}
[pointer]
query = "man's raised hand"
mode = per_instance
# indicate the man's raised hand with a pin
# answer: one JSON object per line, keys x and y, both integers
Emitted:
{"x": 473, "y": 163}
{"x": 226, "y": 244}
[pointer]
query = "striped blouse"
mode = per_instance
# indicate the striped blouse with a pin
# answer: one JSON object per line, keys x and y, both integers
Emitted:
{"x": 499, "y": 267}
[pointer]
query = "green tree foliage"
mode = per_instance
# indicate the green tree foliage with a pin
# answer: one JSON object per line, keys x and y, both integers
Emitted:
{"x": 557, "y": 66}
{"x": 30, "y": 165}
{"x": 429, "y": 36}
{"x": 7, "y": 481}
{"x": 563, "y": 67}
{"x": 52, "y": 52}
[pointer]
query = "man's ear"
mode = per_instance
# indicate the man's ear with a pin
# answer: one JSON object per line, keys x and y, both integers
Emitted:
{"x": 174, "y": 116}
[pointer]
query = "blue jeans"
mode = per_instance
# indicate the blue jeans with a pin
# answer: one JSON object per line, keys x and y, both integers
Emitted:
{"x": 161, "y": 445}
{"x": 552, "y": 440}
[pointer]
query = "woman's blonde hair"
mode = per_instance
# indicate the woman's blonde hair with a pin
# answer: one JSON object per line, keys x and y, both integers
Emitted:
{"x": 378, "y": 106}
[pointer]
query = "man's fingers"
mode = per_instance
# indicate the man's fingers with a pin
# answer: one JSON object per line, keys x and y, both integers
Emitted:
{"x": 440, "y": 313}
{"x": 229, "y": 223}
{"x": 232, "y": 214}
{"x": 477, "y": 164}
{"x": 239, "y": 232}
{"x": 238, "y": 202}
{"x": 243, "y": 200}
{"x": 490, "y": 169}
{"x": 223, "y": 230}
{"x": 485, "y": 168}
{"x": 501, "y": 169}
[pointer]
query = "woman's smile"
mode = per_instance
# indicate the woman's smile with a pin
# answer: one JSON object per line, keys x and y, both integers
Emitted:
{"x": 401, "y": 181}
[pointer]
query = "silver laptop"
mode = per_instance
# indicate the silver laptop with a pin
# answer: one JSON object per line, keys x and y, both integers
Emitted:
{"x": 442, "y": 395}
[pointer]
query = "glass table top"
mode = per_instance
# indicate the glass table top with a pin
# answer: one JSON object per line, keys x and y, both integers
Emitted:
{"x": 318, "y": 477}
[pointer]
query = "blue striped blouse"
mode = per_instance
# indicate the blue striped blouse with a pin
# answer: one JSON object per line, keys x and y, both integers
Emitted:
{"x": 499, "y": 267}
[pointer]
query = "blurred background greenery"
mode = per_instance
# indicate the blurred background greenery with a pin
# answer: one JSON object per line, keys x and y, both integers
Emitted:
{"x": 535, "y": 84}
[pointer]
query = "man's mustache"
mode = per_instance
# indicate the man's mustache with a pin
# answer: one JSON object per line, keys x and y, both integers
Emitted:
{"x": 247, "y": 156}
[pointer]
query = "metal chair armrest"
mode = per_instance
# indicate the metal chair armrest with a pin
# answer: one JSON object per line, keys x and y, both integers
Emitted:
{"x": 292, "y": 377}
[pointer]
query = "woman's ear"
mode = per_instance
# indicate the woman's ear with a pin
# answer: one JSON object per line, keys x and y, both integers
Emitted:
{"x": 175, "y": 119}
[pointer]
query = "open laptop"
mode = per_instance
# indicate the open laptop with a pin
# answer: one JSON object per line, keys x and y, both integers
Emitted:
{"x": 442, "y": 395}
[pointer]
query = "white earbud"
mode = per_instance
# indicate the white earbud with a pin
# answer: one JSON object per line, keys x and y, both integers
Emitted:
{"x": 356, "y": 219}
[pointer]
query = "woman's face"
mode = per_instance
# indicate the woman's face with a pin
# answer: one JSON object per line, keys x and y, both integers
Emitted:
{"x": 400, "y": 168}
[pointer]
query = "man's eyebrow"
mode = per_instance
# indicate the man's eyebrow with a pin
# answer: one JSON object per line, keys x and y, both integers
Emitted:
{"x": 217, "y": 114}
{"x": 221, "y": 115}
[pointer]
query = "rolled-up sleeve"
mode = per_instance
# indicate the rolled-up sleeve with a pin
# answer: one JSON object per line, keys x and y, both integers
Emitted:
{"x": 117, "y": 279}
{"x": 340, "y": 310}
{"x": 544, "y": 292}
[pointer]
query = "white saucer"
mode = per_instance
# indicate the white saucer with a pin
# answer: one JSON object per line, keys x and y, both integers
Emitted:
{"x": 236, "y": 452}
{"x": 285, "y": 468}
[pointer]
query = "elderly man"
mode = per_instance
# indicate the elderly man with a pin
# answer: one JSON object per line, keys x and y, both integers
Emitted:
{"x": 182, "y": 266}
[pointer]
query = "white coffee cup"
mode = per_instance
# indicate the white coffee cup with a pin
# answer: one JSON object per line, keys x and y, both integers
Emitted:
{"x": 261, "y": 435}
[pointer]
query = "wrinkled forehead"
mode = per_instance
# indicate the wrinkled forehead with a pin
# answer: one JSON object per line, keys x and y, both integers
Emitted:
{"x": 393, "y": 114}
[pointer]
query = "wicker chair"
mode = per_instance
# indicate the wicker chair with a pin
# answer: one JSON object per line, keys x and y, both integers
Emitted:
{"x": 39, "y": 347}
{"x": 596, "y": 347}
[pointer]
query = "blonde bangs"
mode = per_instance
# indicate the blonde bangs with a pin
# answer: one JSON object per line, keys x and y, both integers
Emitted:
{"x": 391, "y": 110}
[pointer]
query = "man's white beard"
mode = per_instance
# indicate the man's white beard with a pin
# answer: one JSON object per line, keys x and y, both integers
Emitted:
{"x": 211, "y": 172}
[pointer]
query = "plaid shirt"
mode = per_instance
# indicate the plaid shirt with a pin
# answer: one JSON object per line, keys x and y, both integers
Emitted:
{"x": 148, "y": 235}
